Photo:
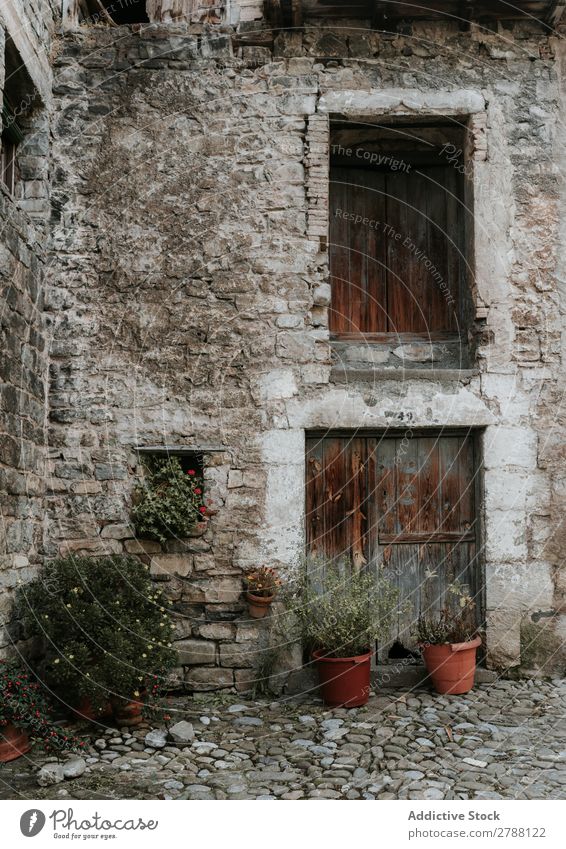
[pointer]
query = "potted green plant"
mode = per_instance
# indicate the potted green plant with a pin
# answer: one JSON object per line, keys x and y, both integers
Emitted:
{"x": 169, "y": 504}
{"x": 449, "y": 643}
{"x": 341, "y": 612}
{"x": 25, "y": 714}
{"x": 105, "y": 629}
{"x": 262, "y": 584}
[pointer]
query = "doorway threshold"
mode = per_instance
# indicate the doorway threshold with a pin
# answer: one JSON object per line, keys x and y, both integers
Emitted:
{"x": 414, "y": 676}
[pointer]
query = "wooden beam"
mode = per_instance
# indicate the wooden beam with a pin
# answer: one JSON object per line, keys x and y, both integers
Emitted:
{"x": 378, "y": 17}
{"x": 556, "y": 13}
{"x": 102, "y": 10}
{"x": 418, "y": 537}
{"x": 175, "y": 11}
{"x": 70, "y": 14}
{"x": 274, "y": 12}
{"x": 385, "y": 12}
{"x": 297, "y": 13}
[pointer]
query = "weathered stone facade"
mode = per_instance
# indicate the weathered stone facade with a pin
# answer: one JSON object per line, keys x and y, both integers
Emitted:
{"x": 188, "y": 297}
{"x": 23, "y": 361}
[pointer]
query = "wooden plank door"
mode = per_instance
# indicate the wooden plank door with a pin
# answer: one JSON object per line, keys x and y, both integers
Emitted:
{"x": 407, "y": 503}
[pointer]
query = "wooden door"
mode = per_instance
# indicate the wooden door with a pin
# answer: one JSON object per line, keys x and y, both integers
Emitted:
{"x": 407, "y": 503}
{"x": 396, "y": 242}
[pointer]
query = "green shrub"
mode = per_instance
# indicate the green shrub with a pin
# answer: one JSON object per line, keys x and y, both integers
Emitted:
{"x": 104, "y": 625}
{"x": 24, "y": 703}
{"x": 340, "y": 610}
{"x": 169, "y": 503}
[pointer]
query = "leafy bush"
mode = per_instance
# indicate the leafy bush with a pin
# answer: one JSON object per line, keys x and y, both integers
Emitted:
{"x": 340, "y": 610}
{"x": 454, "y": 624}
{"x": 24, "y": 703}
{"x": 170, "y": 501}
{"x": 104, "y": 625}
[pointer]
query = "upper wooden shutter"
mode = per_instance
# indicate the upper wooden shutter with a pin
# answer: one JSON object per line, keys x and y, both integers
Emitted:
{"x": 395, "y": 250}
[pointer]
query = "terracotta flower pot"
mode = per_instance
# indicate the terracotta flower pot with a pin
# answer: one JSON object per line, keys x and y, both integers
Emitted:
{"x": 13, "y": 743}
{"x": 344, "y": 681}
{"x": 258, "y": 605}
{"x": 452, "y": 666}
{"x": 85, "y": 710}
{"x": 127, "y": 712}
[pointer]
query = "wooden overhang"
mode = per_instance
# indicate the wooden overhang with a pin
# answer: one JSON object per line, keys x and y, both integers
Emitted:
{"x": 292, "y": 13}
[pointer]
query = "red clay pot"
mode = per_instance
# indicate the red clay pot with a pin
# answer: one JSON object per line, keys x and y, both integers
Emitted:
{"x": 344, "y": 681}
{"x": 85, "y": 710}
{"x": 258, "y": 605}
{"x": 13, "y": 743}
{"x": 127, "y": 713}
{"x": 452, "y": 666}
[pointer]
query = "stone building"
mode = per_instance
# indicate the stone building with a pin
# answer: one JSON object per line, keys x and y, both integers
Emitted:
{"x": 315, "y": 249}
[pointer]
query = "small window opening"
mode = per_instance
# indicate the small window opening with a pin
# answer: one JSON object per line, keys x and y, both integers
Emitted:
{"x": 169, "y": 500}
{"x": 17, "y": 100}
{"x": 127, "y": 11}
{"x": 190, "y": 461}
{"x": 12, "y": 135}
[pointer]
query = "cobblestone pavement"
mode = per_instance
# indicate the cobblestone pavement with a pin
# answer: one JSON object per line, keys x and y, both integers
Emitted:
{"x": 503, "y": 740}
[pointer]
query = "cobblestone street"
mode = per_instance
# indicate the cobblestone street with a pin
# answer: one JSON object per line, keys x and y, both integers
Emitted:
{"x": 505, "y": 740}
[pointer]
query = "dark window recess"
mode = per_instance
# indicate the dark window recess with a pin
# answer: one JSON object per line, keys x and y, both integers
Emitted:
{"x": 12, "y": 135}
{"x": 397, "y": 229}
{"x": 18, "y": 99}
{"x": 126, "y": 11}
{"x": 188, "y": 459}
{"x": 192, "y": 461}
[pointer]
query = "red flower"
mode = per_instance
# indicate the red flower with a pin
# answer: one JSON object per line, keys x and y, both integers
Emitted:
{"x": 191, "y": 472}
{"x": 197, "y": 490}
{"x": 202, "y": 509}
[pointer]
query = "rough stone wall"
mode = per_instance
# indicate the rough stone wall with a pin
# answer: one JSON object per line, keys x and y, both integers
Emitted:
{"x": 23, "y": 357}
{"x": 189, "y": 297}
